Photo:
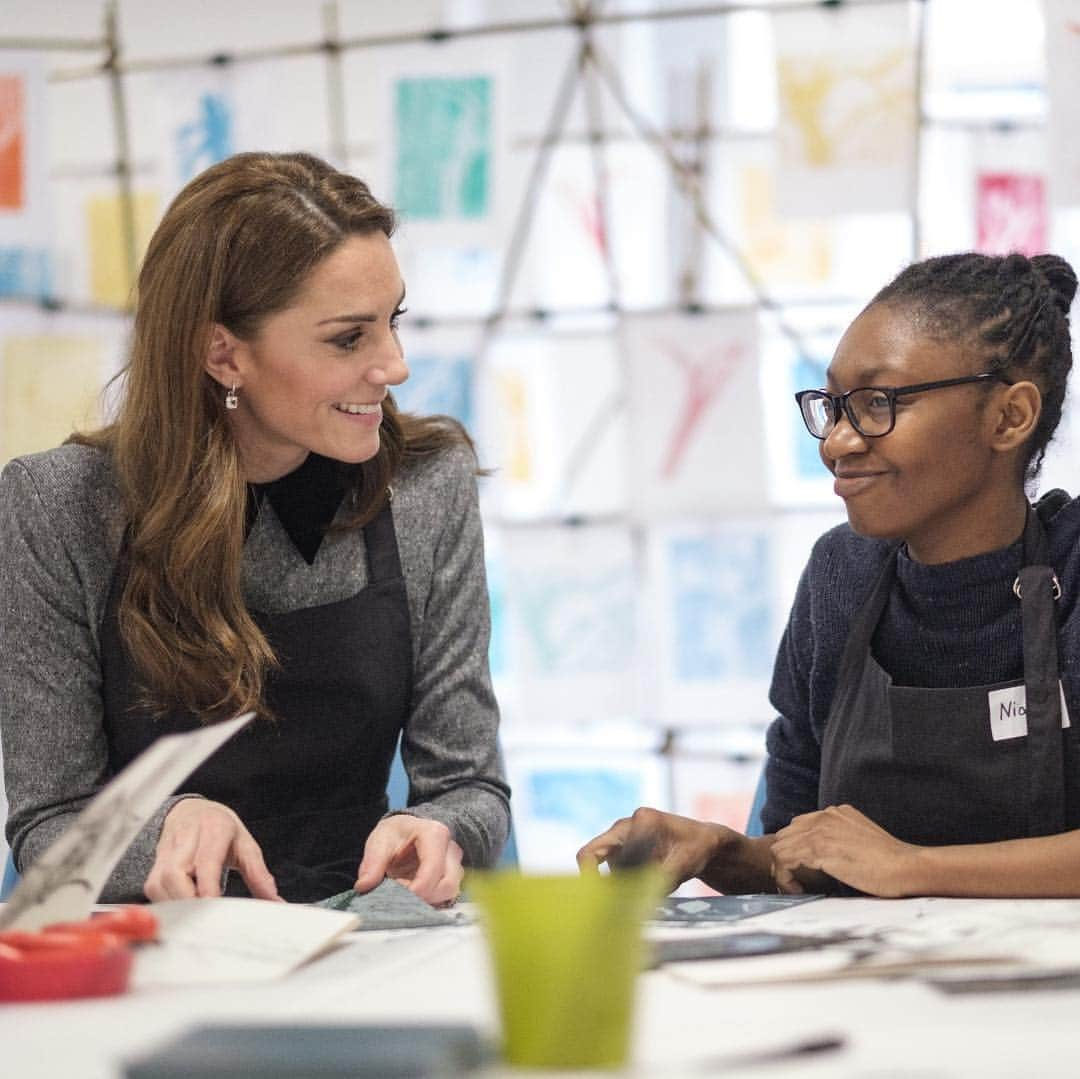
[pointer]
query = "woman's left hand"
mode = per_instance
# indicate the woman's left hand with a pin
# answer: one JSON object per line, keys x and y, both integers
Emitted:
{"x": 848, "y": 846}
{"x": 419, "y": 853}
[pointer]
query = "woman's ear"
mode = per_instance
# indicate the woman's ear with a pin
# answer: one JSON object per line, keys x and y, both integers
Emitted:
{"x": 222, "y": 361}
{"x": 1017, "y": 415}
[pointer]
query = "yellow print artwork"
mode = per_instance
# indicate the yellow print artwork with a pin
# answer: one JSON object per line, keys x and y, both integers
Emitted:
{"x": 836, "y": 113}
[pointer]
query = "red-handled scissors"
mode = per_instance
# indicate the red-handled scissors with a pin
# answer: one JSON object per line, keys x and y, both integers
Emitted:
{"x": 74, "y": 959}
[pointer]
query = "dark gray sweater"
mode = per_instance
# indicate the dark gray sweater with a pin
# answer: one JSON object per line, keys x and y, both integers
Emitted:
{"x": 60, "y": 529}
{"x": 950, "y": 625}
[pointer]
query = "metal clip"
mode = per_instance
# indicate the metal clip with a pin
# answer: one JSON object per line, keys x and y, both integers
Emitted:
{"x": 1055, "y": 585}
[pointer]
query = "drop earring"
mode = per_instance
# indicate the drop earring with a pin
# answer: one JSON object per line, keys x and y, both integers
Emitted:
{"x": 232, "y": 402}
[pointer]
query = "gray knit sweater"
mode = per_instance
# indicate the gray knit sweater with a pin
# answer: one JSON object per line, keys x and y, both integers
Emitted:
{"x": 60, "y": 530}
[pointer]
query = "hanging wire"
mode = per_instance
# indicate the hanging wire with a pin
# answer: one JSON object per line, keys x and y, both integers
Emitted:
{"x": 122, "y": 144}
{"x": 608, "y": 409}
{"x": 689, "y": 182}
{"x": 920, "y": 123}
{"x": 515, "y": 249}
{"x": 336, "y": 103}
{"x": 462, "y": 33}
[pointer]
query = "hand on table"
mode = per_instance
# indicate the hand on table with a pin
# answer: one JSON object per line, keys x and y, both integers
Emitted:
{"x": 681, "y": 846}
{"x": 419, "y": 853}
{"x": 199, "y": 840}
{"x": 848, "y": 846}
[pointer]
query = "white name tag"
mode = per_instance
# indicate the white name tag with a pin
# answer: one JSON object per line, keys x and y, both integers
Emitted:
{"x": 1008, "y": 712}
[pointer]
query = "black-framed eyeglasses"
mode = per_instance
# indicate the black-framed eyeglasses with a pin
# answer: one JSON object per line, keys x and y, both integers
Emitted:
{"x": 871, "y": 410}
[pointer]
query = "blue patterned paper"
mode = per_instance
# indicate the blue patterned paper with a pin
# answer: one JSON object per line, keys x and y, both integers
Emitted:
{"x": 443, "y": 147}
{"x": 207, "y": 138}
{"x": 25, "y": 272}
{"x": 438, "y": 386}
{"x": 584, "y": 799}
{"x": 576, "y": 625}
{"x": 497, "y": 649}
{"x": 808, "y": 374}
{"x": 720, "y": 591}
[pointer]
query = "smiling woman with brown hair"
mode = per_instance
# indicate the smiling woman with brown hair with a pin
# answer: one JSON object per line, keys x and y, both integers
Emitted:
{"x": 260, "y": 528}
{"x": 928, "y": 682}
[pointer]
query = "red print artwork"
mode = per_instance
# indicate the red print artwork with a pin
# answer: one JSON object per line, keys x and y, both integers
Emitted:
{"x": 12, "y": 143}
{"x": 1011, "y": 213}
{"x": 703, "y": 379}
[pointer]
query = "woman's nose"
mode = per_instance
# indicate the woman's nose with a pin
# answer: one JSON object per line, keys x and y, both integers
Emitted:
{"x": 842, "y": 440}
{"x": 390, "y": 369}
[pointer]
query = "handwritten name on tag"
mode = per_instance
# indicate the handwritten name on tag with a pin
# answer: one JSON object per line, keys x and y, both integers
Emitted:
{"x": 1008, "y": 712}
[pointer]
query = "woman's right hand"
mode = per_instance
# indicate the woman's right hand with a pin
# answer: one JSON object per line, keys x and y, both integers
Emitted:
{"x": 199, "y": 840}
{"x": 681, "y": 846}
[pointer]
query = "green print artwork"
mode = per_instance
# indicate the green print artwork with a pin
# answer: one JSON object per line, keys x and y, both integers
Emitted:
{"x": 443, "y": 147}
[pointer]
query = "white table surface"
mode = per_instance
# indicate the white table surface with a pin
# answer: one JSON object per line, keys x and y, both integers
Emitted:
{"x": 894, "y": 1028}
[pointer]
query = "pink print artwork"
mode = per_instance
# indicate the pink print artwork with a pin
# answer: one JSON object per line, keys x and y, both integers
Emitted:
{"x": 1010, "y": 213}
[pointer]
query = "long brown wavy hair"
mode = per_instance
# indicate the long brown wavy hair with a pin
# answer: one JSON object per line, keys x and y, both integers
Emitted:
{"x": 234, "y": 247}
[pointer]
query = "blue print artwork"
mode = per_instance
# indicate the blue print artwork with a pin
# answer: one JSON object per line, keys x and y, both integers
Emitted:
{"x": 25, "y": 272}
{"x": 577, "y": 625}
{"x": 720, "y": 592}
{"x": 207, "y": 139}
{"x": 584, "y": 799}
{"x": 808, "y": 375}
{"x": 443, "y": 147}
{"x": 497, "y": 657}
{"x": 438, "y": 386}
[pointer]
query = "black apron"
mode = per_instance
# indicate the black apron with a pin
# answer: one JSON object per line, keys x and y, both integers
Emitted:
{"x": 923, "y": 763}
{"x": 310, "y": 784}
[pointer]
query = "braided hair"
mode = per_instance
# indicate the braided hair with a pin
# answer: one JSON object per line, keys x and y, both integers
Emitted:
{"x": 1012, "y": 310}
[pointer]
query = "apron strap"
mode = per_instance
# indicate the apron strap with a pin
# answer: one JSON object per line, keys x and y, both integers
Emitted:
{"x": 1038, "y": 588}
{"x": 384, "y": 562}
{"x": 865, "y": 619}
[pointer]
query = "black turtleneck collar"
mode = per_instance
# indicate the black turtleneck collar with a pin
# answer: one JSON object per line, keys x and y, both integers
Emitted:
{"x": 305, "y": 500}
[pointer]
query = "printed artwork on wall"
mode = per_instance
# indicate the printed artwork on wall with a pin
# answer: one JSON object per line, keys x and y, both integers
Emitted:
{"x": 572, "y": 614}
{"x": 197, "y": 123}
{"x": 719, "y": 594}
{"x": 797, "y": 476}
{"x": 1063, "y": 86}
{"x": 575, "y": 234}
{"x": 715, "y": 786}
{"x": 26, "y": 272}
{"x": 848, "y": 116}
{"x": 567, "y": 792}
{"x": 438, "y": 385}
{"x": 695, "y": 405}
{"x": 26, "y": 265}
{"x": 111, "y": 281}
{"x": 207, "y": 137}
{"x": 712, "y": 621}
{"x": 1010, "y": 213}
{"x": 51, "y": 385}
{"x": 553, "y": 424}
{"x": 498, "y": 650}
{"x": 443, "y": 166}
{"x": 780, "y": 251}
{"x": 13, "y": 137}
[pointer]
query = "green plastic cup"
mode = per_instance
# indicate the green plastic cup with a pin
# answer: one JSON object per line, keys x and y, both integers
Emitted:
{"x": 566, "y": 952}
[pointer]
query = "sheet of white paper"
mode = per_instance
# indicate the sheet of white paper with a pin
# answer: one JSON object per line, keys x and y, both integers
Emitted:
{"x": 931, "y": 936}
{"x": 206, "y": 941}
{"x": 63, "y": 884}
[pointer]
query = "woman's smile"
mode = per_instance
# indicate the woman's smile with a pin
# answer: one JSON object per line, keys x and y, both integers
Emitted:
{"x": 853, "y": 481}
{"x": 363, "y": 414}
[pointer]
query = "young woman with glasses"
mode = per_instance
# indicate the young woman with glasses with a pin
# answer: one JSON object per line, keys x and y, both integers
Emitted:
{"x": 928, "y": 682}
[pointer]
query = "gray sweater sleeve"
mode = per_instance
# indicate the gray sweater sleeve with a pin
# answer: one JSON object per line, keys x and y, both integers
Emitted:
{"x": 55, "y": 754}
{"x": 450, "y": 747}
